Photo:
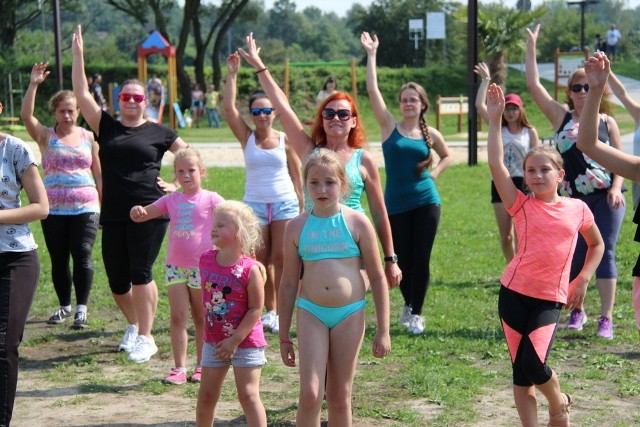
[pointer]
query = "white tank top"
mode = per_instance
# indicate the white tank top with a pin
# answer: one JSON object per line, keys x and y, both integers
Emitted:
{"x": 268, "y": 179}
{"x": 516, "y": 147}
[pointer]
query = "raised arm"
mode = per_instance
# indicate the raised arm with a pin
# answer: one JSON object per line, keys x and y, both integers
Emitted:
{"x": 38, "y": 132}
{"x": 552, "y": 109}
{"x": 621, "y": 93}
{"x": 383, "y": 116}
{"x": 232, "y": 115}
{"x": 495, "y": 151}
{"x": 292, "y": 126}
{"x": 89, "y": 108}
{"x": 598, "y": 69}
{"x": 295, "y": 172}
{"x": 482, "y": 69}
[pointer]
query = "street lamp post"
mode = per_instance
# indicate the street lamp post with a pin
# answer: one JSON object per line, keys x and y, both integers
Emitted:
{"x": 583, "y": 4}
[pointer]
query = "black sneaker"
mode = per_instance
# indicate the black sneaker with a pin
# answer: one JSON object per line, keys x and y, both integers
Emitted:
{"x": 59, "y": 316}
{"x": 80, "y": 321}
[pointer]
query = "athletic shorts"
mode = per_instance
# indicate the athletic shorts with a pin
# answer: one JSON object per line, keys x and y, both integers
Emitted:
{"x": 174, "y": 275}
{"x": 279, "y": 211}
{"x": 243, "y": 357}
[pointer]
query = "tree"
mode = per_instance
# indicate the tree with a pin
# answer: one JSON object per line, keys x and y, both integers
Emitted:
{"x": 501, "y": 33}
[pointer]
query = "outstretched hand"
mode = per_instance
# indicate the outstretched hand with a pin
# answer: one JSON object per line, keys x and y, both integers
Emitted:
{"x": 597, "y": 69}
{"x": 495, "y": 103}
{"x": 233, "y": 63}
{"x": 39, "y": 73}
{"x": 369, "y": 43}
{"x": 77, "y": 44}
{"x": 482, "y": 69}
{"x": 533, "y": 35}
{"x": 252, "y": 54}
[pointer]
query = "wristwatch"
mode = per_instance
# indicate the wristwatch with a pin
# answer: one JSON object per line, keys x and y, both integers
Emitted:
{"x": 393, "y": 258}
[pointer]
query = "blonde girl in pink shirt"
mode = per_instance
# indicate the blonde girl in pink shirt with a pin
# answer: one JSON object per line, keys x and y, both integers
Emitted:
{"x": 191, "y": 218}
{"x": 535, "y": 284}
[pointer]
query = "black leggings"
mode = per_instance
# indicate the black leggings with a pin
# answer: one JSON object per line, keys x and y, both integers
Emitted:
{"x": 19, "y": 273}
{"x": 71, "y": 236}
{"x": 413, "y": 235}
{"x": 529, "y": 326}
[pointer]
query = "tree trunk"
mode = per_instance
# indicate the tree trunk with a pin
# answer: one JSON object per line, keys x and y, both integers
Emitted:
{"x": 498, "y": 69}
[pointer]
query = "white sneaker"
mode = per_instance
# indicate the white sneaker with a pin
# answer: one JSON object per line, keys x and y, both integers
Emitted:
{"x": 269, "y": 319}
{"x": 143, "y": 350}
{"x": 275, "y": 326}
{"x": 129, "y": 339}
{"x": 406, "y": 315}
{"x": 416, "y": 324}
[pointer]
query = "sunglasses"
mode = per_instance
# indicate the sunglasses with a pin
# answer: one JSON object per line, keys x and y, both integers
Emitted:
{"x": 330, "y": 113}
{"x": 126, "y": 97}
{"x": 257, "y": 111}
{"x": 577, "y": 88}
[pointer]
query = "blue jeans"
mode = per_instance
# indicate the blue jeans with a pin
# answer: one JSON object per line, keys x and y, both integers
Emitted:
{"x": 212, "y": 114}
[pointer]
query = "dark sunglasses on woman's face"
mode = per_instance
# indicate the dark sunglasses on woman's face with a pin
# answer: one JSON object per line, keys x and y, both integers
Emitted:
{"x": 330, "y": 113}
{"x": 577, "y": 88}
{"x": 126, "y": 97}
{"x": 256, "y": 111}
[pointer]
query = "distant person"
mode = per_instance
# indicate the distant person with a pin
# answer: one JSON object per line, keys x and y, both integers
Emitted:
{"x": 96, "y": 92}
{"x": 613, "y": 37}
{"x": 131, "y": 151}
{"x": 584, "y": 179}
{"x": 232, "y": 299}
{"x": 601, "y": 43}
{"x": 597, "y": 68}
{"x": 212, "y": 97}
{"x": 518, "y": 137}
{"x": 273, "y": 185}
{"x": 329, "y": 87}
{"x": 155, "y": 91}
{"x": 191, "y": 217}
{"x": 19, "y": 261}
{"x": 536, "y": 284}
{"x": 73, "y": 179}
{"x": 197, "y": 104}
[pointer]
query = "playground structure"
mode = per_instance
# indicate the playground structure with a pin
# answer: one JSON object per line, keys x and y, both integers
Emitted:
{"x": 155, "y": 43}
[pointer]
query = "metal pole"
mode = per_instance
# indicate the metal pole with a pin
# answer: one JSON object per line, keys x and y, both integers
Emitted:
{"x": 472, "y": 59}
{"x": 56, "y": 29}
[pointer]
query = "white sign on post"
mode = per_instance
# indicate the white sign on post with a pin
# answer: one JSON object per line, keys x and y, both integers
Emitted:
{"x": 436, "y": 27}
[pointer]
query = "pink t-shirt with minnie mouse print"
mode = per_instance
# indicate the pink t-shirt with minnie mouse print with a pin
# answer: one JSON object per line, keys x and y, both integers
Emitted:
{"x": 225, "y": 299}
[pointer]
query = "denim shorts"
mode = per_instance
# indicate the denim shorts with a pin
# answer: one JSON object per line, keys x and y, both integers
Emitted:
{"x": 243, "y": 357}
{"x": 174, "y": 275}
{"x": 279, "y": 211}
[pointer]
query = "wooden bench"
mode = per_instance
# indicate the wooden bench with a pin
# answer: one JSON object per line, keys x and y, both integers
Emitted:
{"x": 10, "y": 121}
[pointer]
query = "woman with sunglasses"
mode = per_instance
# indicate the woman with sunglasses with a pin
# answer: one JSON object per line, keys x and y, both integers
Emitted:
{"x": 273, "y": 186}
{"x": 336, "y": 127}
{"x": 410, "y": 194}
{"x": 584, "y": 179}
{"x": 518, "y": 137}
{"x": 131, "y": 152}
{"x": 19, "y": 261}
{"x": 73, "y": 179}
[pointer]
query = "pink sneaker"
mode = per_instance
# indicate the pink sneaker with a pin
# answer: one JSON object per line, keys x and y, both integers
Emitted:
{"x": 176, "y": 376}
{"x": 197, "y": 374}
{"x": 605, "y": 328}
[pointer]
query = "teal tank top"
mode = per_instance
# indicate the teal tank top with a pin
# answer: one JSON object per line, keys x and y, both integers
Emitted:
{"x": 352, "y": 199}
{"x": 405, "y": 190}
{"x": 324, "y": 238}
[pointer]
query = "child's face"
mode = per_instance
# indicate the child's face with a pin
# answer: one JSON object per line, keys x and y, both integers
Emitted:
{"x": 224, "y": 230}
{"x": 189, "y": 174}
{"x": 323, "y": 186}
{"x": 542, "y": 175}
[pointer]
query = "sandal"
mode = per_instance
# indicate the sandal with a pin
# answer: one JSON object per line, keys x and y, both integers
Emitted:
{"x": 561, "y": 419}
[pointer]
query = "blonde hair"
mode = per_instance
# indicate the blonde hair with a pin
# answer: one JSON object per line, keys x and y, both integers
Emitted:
{"x": 328, "y": 158}
{"x": 188, "y": 152}
{"x": 249, "y": 230}
{"x": 547, "y": 151}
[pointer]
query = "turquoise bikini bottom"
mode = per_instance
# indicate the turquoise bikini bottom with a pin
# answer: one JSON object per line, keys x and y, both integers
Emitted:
{"x": 331, "y": 316}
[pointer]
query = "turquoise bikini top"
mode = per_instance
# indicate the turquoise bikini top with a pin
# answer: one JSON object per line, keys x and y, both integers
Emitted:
{"x": 324, "y": 238}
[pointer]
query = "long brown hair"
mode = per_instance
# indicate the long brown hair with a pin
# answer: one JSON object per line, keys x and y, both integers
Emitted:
{"x": 357, "y": 136}
{"x": 422, "y": 93}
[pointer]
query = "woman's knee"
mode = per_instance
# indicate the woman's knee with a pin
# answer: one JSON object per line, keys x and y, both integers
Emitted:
{"x": 310, "y": 399}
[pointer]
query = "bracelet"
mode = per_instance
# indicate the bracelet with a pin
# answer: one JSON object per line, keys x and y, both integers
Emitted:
{"x": 262, "y": 70}
{"x": 487, "y": 79}
{"x": 286, "y": 342}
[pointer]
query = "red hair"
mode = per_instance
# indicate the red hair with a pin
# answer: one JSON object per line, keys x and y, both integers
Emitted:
{"x": 357, "y": 136}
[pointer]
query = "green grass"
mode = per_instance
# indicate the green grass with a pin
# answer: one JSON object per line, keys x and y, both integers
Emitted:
{"x": 459, "y": 361}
